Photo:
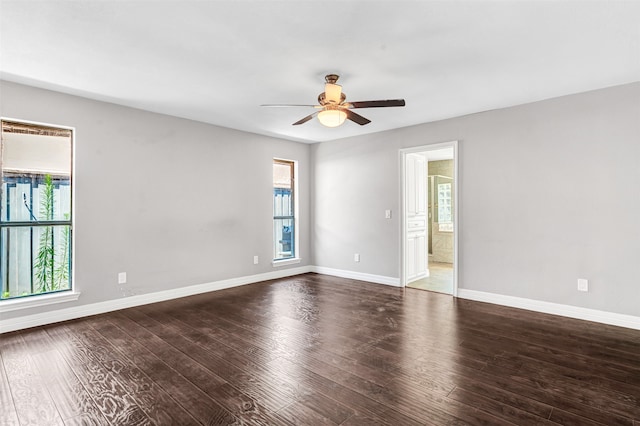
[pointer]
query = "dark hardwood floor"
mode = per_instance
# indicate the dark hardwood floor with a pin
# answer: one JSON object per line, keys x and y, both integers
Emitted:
{"x": 320, "y": 350}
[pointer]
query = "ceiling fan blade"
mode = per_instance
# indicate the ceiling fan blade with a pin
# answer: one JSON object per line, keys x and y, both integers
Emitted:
{"x": 378, "y": 104}
{"x": 305, "y": 119}
{"x": 356, "y": 118}
{"x": 289, "y": 105}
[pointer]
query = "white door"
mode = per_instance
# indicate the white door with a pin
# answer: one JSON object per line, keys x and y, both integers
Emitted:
{"x": 416, "y": 217}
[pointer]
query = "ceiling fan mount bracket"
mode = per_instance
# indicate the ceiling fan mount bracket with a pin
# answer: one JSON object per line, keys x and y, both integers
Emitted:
{"x": 331, "y": 78}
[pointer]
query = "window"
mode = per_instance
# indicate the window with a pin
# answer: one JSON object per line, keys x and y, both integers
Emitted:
{"x": 445, "y": 212}
{"x": 284, "y": 210}
{"x": 35, "y": 209}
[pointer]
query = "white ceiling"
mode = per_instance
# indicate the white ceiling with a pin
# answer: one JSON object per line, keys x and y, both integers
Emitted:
{"x": 217, "y": 61}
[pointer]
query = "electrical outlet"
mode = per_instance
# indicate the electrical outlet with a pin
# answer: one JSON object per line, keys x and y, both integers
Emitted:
{"x": 583, "y": 284}
{"x": 122, "y": 278}
{"x": 356, "y": 257}
{"x": 255, "y": 260}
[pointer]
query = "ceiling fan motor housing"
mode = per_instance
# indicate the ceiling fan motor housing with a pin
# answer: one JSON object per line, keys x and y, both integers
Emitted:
{"x": 322, "y": 99}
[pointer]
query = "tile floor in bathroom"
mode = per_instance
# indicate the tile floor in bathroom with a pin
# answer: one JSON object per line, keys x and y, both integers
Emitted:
{"x": 440, "y": 279}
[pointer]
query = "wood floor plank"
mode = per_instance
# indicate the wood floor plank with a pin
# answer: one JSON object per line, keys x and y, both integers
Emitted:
{"x": 8, "y": 415}
{"x": 104, "y": 387}
{"x": 298, "y": 413}
{"x": 319, "y": 376}
{"x": 31, "y": 398}
{"x": 504, "y": 411}
{"x": 315, "y": 349}
{"x": 505, "y": 397}
{"x": 358, "y": 419}
{"x": 531, "y": 395}
{"x": 267, "y": 348}
{"x": 152, "y": 399}
{"x": 243, "y": 407}
{"x": 549, "y": 355}
{"x": 192, "y": 399}
{"x": 567, "y": 418}
{"x": 69, "y": 395}
{"x": 326, "y": 407}
{"x": 587, "y": 353}
{"x": 601, "y": 399}
{"x": 269, "y": 391}
{"x": 575, "y": 331}
{"x": 430, "y": 405}
{"x": 127, "y": 333}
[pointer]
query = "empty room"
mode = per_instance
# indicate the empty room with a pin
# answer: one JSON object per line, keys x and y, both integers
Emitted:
{"x": 319, "y": 213}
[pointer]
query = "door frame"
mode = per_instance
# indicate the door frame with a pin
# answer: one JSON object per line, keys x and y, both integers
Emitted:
{"x": 456, "y": 221}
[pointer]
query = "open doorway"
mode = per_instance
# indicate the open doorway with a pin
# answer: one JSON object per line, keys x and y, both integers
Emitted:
{"x": 429, "y": 229}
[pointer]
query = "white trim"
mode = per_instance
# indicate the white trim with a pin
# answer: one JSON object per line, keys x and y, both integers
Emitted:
{"x": 35, "y": 320}
{"x": 377, "y": 279}
{"x": 37, "y": 123}
{"x": 402, "y": 154}
{"x": 569, "y": 311}
{"x": 34, "y": 301}
{"x": 143, "y": 299}
{"x": 61, "y": 297}
{"x": 456, "y": 217}
{"x": 285, "y": 262}
{"x": 296, "y": 209}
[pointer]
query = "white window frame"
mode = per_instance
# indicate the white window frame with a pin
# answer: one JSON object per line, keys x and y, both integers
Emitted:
{"x": 36, "y": 300}
{"x": 296, "y": 214}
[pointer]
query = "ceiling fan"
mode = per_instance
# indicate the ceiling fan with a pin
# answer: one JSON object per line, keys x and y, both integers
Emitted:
{"x": 333, "y": 109}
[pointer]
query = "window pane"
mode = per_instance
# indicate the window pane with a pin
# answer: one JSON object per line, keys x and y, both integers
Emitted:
{"x": 35, "y": 259}
{"x": 283, "y": 238}
{"x": 36, "y": 174}
{"x": 444, "y": 203}
{"x": 38, "y": 154}
{"x": 31, "y": 197}
{"x": 282, "y": 173}
{"x": 282, "y": 202}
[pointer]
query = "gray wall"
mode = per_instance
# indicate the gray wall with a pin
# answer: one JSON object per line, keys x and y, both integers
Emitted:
{"x": 170, "y": 201}
{"x": 549, "y": 192}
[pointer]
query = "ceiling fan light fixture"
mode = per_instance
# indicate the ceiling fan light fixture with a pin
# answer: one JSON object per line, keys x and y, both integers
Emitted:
{"x": 332, "y": 117}
{"x": 332, "y": 93}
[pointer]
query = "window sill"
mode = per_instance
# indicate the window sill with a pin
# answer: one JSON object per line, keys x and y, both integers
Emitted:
{"x": 39, "y": 300}
{"x": 285, "y": 262}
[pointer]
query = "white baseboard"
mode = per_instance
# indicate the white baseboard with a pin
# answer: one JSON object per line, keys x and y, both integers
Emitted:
{"x": 569, "y": 311}
{"x": 378, "y": 279}
{"x": 65, "y": 314}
